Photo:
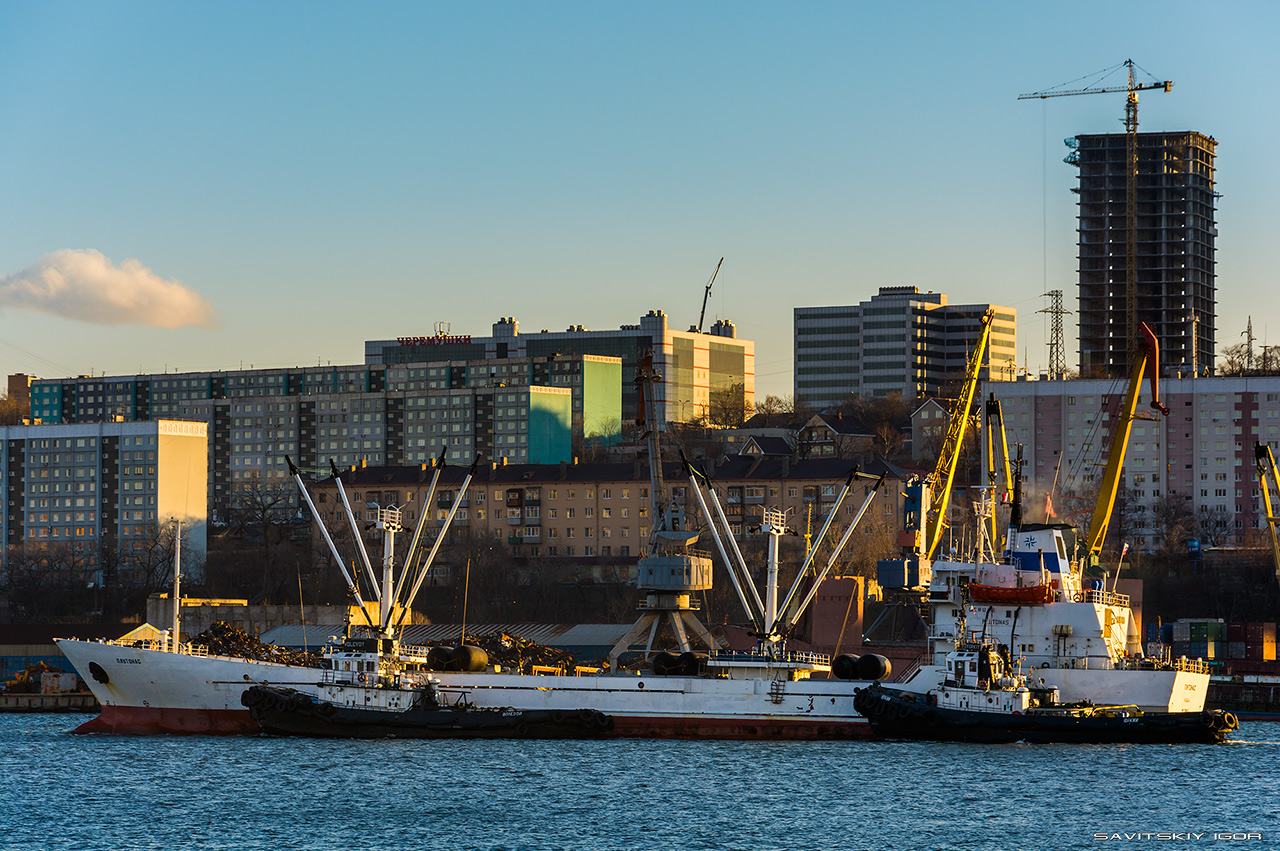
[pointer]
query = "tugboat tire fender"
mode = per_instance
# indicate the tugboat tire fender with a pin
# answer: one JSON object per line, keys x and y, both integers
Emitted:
{"x": 326, "y": 710}
{"x": 522, "y": 728}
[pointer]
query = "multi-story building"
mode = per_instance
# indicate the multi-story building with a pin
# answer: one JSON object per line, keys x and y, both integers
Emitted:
{"x": 524, "y": 409}
{"x": 104, "y": 488}
{"x": 693, "y": 365}
{"x": 1199, "y": 456}
{"x": 1174, "y": 249}
{"x": 899, "y": 341}
{"x": 599, "y": 513}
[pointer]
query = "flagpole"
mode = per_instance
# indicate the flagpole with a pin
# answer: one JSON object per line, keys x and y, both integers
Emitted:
{"x": 1123, "y": 551}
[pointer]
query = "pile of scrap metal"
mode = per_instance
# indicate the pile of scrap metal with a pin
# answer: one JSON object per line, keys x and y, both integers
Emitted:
{"x": 223, "y": 639}
{"x": 520, "y": 654}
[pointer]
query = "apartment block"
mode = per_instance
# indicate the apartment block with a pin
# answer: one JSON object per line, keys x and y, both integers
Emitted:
{"x": 899, "y": 341}
{"x": 1200, "y": 454}
{"x": 598, "y": 514}
{"x": 693, "y": 364}
{"x": 522, "y": 409}
{"x": 105, "y": 488}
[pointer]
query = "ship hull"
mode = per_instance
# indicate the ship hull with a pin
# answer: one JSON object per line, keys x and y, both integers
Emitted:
{"x": 150, "y": 691}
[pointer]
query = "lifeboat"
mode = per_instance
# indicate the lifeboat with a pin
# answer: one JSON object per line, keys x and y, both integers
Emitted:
{"x": 1027, "y": 595}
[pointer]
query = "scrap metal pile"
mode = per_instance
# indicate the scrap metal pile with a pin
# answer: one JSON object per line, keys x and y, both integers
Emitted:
{"x": 223, "y": 639}
{"x": 520, "y": 654}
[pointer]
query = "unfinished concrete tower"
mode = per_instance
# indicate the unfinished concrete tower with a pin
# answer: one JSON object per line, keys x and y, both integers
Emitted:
{"x": 1174, "y": 248}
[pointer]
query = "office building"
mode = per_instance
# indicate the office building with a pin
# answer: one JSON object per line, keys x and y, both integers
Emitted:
{"x": 899, "y": 341}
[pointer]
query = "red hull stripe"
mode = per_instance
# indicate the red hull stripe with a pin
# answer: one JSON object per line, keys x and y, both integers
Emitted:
{"x": 141, "y": 720}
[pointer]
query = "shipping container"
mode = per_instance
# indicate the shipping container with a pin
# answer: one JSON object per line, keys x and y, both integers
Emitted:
{"x": 57, "y": 683}
{"x": 1260, "y": 652}
{"x": 1235, "y": 631}
{"x": 1166, "y": 633}
{"x": 1235, "y": 650}
{"x": 1181, "y": 631}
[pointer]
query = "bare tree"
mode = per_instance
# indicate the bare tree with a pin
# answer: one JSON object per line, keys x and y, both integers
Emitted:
{"x": 728, "y": 406}
{"x": 1172, "y": 522}
{"x": 1214, "y": 528}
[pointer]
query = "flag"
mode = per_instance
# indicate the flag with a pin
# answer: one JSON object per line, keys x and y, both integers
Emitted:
{"x": 1124, "y": 550}
{"x": 1048, "y": 506}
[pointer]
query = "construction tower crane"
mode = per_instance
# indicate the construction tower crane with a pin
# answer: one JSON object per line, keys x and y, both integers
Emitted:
{"x": 1130, "y": 185}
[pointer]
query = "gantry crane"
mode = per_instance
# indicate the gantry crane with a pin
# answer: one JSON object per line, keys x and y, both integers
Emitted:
{"x": 1130, "y": 186}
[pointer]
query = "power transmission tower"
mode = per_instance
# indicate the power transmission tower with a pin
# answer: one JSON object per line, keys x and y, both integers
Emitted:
{"x": 1057, "y": 343}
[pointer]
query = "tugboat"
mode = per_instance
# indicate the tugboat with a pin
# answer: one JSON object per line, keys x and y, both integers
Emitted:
{"x": 408, "y": 712}
{"x": 981, "y": 700}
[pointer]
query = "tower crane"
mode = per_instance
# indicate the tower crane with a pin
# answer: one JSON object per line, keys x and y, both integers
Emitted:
{"x": 1130, "y": 186}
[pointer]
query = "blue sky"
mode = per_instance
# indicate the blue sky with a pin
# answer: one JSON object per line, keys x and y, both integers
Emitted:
{"x": 296, "y": 178}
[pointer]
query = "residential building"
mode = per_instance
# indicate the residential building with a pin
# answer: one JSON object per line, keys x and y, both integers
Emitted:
{"x": 597, "y": 515}
{"x": 524, "y": 409}
{"x": 899, "y": 341}
{"x": 1175, "y": 285}
{"x": 693, "y": 364}
{"x": 1200, "y": 455}
{"x": 102, "y": 489}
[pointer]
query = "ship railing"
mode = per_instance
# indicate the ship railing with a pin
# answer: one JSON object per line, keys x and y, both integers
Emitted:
{"x": 789, "y": 656}
{"x": 1106, "y": 598}
{"x": 414, "y": 650}
{"x": 1193, "y": 666}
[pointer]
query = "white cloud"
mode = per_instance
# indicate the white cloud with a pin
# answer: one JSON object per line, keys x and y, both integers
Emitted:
{"x": 84, "y": 285}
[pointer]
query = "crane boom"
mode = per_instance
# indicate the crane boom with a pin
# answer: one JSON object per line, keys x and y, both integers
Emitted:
{"x": 1167, "y": 85}
{"x": 944, "y": 472}
{"x": 707, "y": 294}
{"x": 1149, "y": 350}
{"x": 1269, "y": 478}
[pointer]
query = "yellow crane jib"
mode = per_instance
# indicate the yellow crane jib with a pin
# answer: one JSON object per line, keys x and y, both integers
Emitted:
{"x": 1268, "y": 478}
{"x": 1148, "y": 351}
{"x": 944, "y": 472}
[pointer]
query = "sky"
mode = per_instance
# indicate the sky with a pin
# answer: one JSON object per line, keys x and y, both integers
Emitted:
{"x": 197, "y": 186}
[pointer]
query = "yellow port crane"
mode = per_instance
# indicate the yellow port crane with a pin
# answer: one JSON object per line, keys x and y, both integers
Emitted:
{"x": 1149, "y": 350}
{"x": 1268, "y": 478}
{"x": 1130, "y": 183}
{"x": 944, "y": 472}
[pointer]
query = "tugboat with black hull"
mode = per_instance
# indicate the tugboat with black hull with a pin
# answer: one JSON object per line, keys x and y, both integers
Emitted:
{"x": 983, "y": 701}
{"x": 352, "y": 704}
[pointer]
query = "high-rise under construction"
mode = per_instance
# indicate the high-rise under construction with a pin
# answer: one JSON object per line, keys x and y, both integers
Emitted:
{"x": 1174, "y": 290}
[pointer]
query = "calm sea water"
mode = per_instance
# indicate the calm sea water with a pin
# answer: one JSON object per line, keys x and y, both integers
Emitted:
{"x": 169, "y": 792}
